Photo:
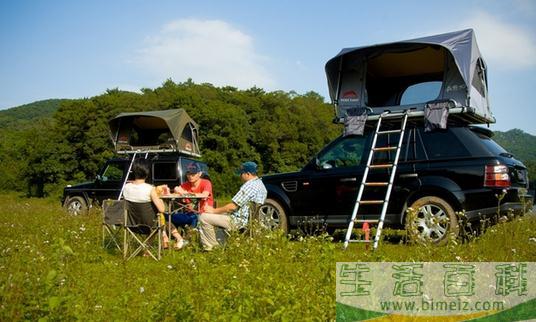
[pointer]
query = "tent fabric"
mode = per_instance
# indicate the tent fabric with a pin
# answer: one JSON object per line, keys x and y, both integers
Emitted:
{"x": 453, "y": 59}
{"x": 155, "y": 130}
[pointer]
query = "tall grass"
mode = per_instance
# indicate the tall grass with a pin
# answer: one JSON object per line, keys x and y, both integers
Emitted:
{"x": 52, "y": 267}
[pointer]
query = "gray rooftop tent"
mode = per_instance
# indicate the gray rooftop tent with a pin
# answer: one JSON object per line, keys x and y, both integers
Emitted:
{"x": 376, "y": 77}
{"x": 155, "y": 131}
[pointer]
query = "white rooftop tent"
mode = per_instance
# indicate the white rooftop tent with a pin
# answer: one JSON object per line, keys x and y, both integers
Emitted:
{"x": 376, "y": 77}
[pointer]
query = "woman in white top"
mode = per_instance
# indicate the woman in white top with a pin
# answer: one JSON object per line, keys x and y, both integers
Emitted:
{"x": 140, "y": 191}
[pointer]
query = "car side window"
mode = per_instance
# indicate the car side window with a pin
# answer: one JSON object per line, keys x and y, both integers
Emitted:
{"x": 347, "y": 152}
{"x": 165, "y": 171}
{"x": 412, "y": 148}
{"x": 443, "y": 144}
{"x": 186, "y": 162}
{"x": 113, "y": 172}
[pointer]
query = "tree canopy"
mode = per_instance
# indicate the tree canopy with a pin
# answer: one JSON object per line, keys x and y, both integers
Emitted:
{"x": 278, "y": 130}
{"x": 48, "y": 144}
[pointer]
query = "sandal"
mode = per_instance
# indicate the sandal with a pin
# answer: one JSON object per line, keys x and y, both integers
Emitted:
{"x": 165, "y": 245}
{"x": 180, "y": 244}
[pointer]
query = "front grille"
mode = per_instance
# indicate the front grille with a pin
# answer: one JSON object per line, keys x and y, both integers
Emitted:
{"x": 290, "y": 186}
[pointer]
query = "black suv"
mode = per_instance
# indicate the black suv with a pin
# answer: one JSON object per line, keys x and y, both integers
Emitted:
{"x": 165, "y": 169}
{"x": 439, "y": 173}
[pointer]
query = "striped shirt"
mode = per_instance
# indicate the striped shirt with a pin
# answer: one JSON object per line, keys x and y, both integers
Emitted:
{"x": 251, "y": 191}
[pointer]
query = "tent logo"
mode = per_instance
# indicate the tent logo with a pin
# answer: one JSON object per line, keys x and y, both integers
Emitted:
{"x": 349, "y": 96}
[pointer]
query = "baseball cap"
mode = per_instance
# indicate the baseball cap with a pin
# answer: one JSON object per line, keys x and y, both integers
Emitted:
{"x": 247, "y": 167}
{"x": 193, "y": 168}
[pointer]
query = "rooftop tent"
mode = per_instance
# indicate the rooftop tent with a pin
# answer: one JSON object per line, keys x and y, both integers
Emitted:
{"x": 408, "y": 74}
{"x": 155, "y": 131}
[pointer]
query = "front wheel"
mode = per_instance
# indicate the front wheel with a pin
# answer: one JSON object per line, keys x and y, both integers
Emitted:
{"x": 433, "y": 220}
{"x": 273, "y": 216}
{"x": 76, "y": 206}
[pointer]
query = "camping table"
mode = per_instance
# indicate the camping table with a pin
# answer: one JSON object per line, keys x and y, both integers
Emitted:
{"x": 170, "y": 198}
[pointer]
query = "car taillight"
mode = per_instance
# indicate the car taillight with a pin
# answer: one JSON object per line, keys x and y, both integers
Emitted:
{"x": 496, "y": 176}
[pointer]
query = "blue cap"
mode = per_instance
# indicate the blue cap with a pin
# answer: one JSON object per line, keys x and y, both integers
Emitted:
{"x": 247, "y": 167}
{"x": 193, "y": 168}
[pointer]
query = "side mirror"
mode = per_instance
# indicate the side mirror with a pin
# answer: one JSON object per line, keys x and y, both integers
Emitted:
{"x": 327, "y": 165}
{"x": 98, "y": 177}
{"x": 323, "y": 165}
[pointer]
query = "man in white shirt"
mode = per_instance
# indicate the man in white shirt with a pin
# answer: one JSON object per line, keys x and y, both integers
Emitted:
{"x": 234, "y": 215}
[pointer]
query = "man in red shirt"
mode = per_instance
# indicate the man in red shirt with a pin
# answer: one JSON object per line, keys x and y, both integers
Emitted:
{"x": 196, "y": 186}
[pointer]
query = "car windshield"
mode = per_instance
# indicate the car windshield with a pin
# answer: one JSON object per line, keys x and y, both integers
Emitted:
{"x": 346, "y": 152}
{"x": 113, "y": 172}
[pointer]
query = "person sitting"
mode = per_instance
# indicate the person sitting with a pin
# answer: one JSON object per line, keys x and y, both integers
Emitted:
{"x": 139, "y": 191}
{"x": 234, "y": 215}
{"x": 198, "y": 187}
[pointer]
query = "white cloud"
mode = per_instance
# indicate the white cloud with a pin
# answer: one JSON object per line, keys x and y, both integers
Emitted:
{"x": 502, "y": 44}
{"x": 210, "y": 51}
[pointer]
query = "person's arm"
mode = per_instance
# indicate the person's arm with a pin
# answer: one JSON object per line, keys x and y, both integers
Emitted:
{"x": 157, "y": 201}
{"x": 207, "y": 189}
{"x": 230, "y": 207}
{"x": 180, "y": 190}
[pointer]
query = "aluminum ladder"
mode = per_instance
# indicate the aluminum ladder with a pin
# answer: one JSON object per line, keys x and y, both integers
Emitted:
{"x": 365, "y": 183}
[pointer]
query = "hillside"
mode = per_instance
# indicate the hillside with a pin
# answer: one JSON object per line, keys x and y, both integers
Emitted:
{"x": 27, "y": 112}
{"x": 519, "y": 143}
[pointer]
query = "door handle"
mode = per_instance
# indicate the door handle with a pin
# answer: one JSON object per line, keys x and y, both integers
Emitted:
{"x": 409, "y": 175}
{"x": 348, "y": 180}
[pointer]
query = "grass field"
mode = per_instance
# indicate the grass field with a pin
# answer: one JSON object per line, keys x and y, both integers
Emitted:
{"x": 52, "y": 267}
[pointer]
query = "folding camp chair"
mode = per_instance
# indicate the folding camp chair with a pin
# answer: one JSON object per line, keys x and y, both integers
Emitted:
{"x": 114, "y": 214}
{"x": 140, "y": 224}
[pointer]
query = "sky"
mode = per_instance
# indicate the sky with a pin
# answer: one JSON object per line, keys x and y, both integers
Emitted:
{"x": 76, "y": 49}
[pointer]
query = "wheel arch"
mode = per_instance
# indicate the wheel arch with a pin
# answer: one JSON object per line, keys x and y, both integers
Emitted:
{"x": 445, "y": 189}
{"x": 280, "y": 196}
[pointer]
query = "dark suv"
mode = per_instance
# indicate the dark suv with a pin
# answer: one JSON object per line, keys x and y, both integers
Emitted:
{"x": 439, "y": 173}
{"x": 165, "y": 169}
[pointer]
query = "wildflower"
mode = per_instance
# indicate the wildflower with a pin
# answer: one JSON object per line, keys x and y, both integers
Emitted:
{"x": 142, "y": 289}
{"x": 458, "y": 258}
{"x": 98, "y": 307}
{"x": 513, "y": 250}
{"x": 532, "y": 239}
{"x": 170, "y": 267}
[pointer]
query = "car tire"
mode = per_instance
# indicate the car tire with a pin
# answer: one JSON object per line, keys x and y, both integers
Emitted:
{"x": 273, "y": 216}
{"x": 434, "y": 221}
{"x": 76, "y": 206}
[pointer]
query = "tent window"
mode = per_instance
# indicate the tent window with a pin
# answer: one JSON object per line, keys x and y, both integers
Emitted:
{"x": 150, "y": 137}
{"x": 478, "y": 79}
{"x": 420, "y": 93}
{"x": 391, "y": 73}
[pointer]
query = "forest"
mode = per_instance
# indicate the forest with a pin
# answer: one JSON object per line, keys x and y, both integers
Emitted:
{"x": 48, "y": 144}
{"x": 57, "y": 142}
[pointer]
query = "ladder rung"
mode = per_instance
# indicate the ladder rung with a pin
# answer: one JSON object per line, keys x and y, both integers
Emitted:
{"x": 360, "y": 241}
{"x": 370, "y": 221}
{"x": 371, "y": 202}
{"x": 389, "y": 131}
{"x": 376, "y": 184}
{"x": 378, "y": 166}
{"x": 385, "y": 148}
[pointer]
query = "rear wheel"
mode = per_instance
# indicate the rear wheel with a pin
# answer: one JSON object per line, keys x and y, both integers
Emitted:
{"x": 433, "y": 221}
{"x": 76, "y": 206}
{"x": 273, "y": 216}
